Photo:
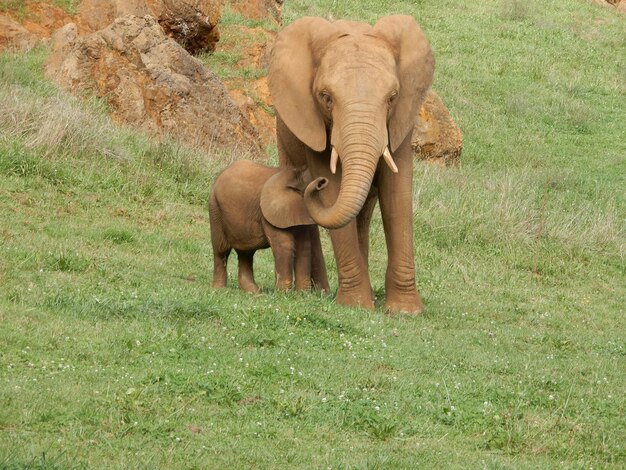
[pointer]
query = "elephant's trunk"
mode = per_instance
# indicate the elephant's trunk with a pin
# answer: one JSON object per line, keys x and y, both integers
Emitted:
{"x": 359, "y": 154}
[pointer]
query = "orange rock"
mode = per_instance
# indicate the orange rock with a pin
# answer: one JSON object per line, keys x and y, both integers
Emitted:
{"x": 192, "y": 23}
{"x": 150, "y": 81}
{"x": 436, "y": 137}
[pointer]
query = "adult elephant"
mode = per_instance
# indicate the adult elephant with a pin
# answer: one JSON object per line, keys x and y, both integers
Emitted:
{"x": 346, "y": 94}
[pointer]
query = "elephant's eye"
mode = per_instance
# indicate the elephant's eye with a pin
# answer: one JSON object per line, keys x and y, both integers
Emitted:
{"x": 326, "y": 99}
{"x": 392, "y": 98}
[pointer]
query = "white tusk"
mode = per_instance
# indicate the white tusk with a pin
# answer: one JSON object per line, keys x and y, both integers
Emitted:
{"x": 334, "y": 157}
{"x": 389, "y": 159}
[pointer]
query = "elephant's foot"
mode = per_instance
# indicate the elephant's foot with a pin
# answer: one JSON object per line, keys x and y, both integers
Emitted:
{"x": 284, "y": 285}
{"x": 218, "y": 283}
{"x": 246, "y": 282}
{"x": 249, "y": 286}
{"x": 361, "y": 296}
{"x": 220, "y": 274}
{"x": 305, "y": 285}
{"x": 408, "y": 303}
{"x": 321, "y": 287}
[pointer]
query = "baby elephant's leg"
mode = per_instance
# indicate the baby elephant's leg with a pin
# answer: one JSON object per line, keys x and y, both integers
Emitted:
{"x": 246, "y": 273}
{"x": 318, "y": 265}
{"x": 220, "y": 274}
{"x": 283, "y": 248}
{"x": 302, "y": 236}
{"x": 219, "y": 242}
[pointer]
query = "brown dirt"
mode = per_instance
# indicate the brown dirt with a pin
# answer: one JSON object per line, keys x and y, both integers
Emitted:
{"x": 41, "y": 19}
{"x": 259, "y": 9}
{"x": 14, "y": 37}
{"x": 252, "y": 95}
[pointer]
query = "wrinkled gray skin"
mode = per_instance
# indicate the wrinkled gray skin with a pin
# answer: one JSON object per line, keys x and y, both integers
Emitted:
{"x": 238, "y": 222}
{"x": 346, "y": 94}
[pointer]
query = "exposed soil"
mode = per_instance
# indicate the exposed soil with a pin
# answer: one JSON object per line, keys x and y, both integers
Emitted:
{"x": 40, "y": 18}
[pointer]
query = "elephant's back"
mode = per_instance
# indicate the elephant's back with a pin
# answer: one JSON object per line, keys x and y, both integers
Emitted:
{"x": 237, "y": 193}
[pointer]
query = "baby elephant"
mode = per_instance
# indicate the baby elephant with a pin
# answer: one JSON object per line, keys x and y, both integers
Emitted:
{"x": 252, "y": 207}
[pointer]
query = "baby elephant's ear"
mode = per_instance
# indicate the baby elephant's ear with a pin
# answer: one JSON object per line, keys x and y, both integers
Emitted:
{"x": 282, "y": 203}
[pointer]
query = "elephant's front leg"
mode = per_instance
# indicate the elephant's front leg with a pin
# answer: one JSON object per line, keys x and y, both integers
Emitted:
{"x": 283, "y": 248}
{"x": 355, "y": 289}
{"x": 302, "y": 263}
{"x": 246, "y": 272}
{"x": 395, "y": 192}
{"x": 319, "y": 275}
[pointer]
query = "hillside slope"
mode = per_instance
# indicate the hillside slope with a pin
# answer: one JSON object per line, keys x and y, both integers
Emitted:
{"x": 115, "y": 352}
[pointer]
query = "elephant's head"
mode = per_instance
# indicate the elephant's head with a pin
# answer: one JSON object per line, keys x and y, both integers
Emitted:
{"x": 282, "y": 202}
{"x": 352, "y": 90}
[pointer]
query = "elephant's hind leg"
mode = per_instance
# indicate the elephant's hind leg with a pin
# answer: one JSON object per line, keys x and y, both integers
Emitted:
{"x": 220, "y": 274}
{"x": 221, "y": 247}
{"x": 246, "y": 273}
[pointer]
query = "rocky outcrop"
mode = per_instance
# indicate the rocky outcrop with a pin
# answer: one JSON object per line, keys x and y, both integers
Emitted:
{"x": 149, "y": 80}
{"x": 14, "y": 37}
{"x": 94, "y": 15}
{"x": 192, "y": 23}
{"x": 259, "y": 9}
{"x": 436, "y": 137}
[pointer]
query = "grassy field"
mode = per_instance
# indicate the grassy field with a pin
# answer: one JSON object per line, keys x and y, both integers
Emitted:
{"x": 115, "y": 351}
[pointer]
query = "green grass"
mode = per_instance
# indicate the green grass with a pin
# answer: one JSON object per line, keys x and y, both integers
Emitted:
{"x": 238, "y": 34}
{"x": 115, "y": 351}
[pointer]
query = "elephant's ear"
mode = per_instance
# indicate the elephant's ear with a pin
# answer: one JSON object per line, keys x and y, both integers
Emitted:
{"x": 291, "y": 74}
{"x": 415, "y": 66}
{"x": 282, "y": 203}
